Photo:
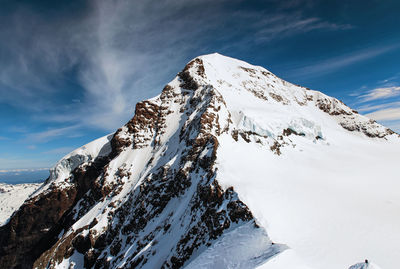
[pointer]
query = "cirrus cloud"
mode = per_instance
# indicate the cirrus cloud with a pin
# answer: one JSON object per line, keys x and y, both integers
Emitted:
{"x": 380, "y": 93}
{"x": 389, "y": 114}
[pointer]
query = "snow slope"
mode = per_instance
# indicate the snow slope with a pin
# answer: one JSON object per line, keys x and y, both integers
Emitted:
{"x": 229, "y": 167}
{"x": 12, "y": 197}
{"x": 334, "y": 201}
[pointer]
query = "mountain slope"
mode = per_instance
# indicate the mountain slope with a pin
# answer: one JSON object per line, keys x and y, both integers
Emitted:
{"x": 12, "y": 197}
{"x": 229, "y": 167}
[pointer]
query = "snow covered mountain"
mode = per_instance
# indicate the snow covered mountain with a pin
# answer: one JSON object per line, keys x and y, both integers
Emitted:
{"x": 12, "y": 197}
{"x": 229, "y": 167}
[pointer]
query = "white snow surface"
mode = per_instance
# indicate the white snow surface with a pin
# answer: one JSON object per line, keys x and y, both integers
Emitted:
{"x": 329, "y": 199}
{"x": 333, "y": 202}
{"x": 12, "y": 197}
{"x": 242, "y": 247}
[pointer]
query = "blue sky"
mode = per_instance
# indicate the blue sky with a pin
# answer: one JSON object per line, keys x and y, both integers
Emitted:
{"x": 72, "y": 71}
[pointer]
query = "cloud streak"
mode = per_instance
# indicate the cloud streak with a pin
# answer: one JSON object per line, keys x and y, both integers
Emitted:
{"x": 283, "y": 26}
{"x": 336, "y": 63}
{"x": 380, "y": 93}
{"x": 389, "y": 114}
{"x": 369, "y": 107}
{"x": 45, "y": 136}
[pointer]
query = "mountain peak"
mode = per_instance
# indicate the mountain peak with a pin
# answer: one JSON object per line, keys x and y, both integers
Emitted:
{"x": 243, "y": 86}
{"x": 218, "y": 60}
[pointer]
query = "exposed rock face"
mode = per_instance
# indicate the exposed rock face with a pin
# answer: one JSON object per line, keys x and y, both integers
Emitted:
{"x": 149, "y": 196}
{"x": 42, "y": 233}
{"x": 35, "y": 226}
{"x": 350, "y": 120}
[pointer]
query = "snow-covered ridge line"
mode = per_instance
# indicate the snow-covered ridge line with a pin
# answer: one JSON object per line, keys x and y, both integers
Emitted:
{"x": 62, "y": 170}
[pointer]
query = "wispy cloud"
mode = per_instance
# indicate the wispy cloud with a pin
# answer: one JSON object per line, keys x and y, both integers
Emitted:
{"x": 394, "y": 125}
{"x": 388, "y": 81}
{"x": 381, "y": 104}
{"x": 18, "y": 129}
{"x": 375, "y": 107}
{"x": 389, "y": 114}
{"x": 380, "y": 93}
{"x": 282, "y": 26}
{"x": 45, "y": 136}
{"x": 335, "y": 63}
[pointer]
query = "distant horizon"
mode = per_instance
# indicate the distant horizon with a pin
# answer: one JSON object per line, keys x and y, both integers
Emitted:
{"x": 24, "y": 170}
{"x": 25, "y": 176}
